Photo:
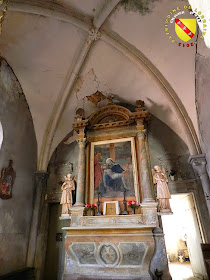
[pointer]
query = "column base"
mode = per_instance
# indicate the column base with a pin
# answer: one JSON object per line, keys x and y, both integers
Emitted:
{"x": 146, "y": 200}
{"x": 78, "y": 204}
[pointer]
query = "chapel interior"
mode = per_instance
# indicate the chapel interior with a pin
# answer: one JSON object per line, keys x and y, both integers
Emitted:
{"x": 105, "y": 139}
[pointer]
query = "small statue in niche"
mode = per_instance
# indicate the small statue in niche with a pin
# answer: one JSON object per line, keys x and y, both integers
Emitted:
{"x": 66, "y": 198}
{"x": 163, "y": 194}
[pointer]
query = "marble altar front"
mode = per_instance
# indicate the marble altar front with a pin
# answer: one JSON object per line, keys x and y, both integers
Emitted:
{"x": 109, "y": 247}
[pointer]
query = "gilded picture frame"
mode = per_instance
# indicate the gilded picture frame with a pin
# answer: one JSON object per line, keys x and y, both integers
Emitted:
{"x": 113, "y": 169}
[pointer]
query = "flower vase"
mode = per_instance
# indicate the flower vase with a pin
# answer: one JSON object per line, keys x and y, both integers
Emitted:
{"x": 91, "y": 212}
{"x": 133, "y": 211}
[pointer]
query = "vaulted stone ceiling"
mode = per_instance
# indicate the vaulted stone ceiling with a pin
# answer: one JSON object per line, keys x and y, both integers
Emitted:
{"x": 48, "y": 44}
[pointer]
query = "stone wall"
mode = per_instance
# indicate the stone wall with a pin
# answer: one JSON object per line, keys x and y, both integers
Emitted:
{"x": 169, "y": 150}
{"x": 19, "y": 144}
{"x": 203, "y": 98}
{"x": 64, "y": 160}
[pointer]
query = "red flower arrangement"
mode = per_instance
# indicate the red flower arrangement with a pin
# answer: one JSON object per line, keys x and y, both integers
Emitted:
{"x": 133, "y": 204}
{"x": 90, "y": 206}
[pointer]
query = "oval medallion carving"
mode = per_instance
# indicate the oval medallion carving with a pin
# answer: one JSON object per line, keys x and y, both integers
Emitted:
{"x": 108, "y": 255}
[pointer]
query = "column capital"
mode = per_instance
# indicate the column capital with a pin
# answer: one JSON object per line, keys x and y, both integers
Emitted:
{"x": 40, "y": 176}
{"x": 198, "y": 163}
{"x": 81, "y": 142}
{"x": 142, "y": 134}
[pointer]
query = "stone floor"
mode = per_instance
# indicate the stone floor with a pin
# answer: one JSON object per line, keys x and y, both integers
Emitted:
{"x": 181, "y": 271}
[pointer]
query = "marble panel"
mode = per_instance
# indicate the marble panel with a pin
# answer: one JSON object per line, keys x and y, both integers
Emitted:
{"x": 84, "y": 253}
{"x": 132, "y": 254}
{"x": 104, "y": 221}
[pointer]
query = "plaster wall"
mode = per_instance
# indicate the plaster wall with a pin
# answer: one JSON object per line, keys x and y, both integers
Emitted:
{"x": 90, "y": 8}
{"x": 169, "y": 150}
{"x": 43, "y": 50}
{"x": 19, "y": 144}
{"x": 127, "y": 86}
{"x": 146, "y": 33}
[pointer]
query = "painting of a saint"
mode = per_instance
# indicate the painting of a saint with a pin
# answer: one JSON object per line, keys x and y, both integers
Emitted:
{"x": 113, "y": 169}
{"x": 98, "y": 169}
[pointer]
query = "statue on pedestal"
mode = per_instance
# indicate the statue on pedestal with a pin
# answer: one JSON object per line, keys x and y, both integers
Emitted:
{"x": 163, "y": 194}
{"x": 66, "y": 198}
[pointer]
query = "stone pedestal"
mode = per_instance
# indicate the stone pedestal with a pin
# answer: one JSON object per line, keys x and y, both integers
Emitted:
{"x": 146, "y": 182}
{"x": 40, "y": 180}
{"x": 149, "y": 211}
{"x": 80, "y": 192}
{"x": 159, "y": 260}
{"x": 198, "y": 163}
{"x": 76, "y": 216}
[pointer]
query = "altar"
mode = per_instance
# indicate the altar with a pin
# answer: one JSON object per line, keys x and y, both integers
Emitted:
{"x": 111, "y": 242}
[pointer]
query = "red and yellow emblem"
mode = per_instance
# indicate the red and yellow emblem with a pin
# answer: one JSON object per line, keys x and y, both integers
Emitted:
{"x": 185, "y": 28}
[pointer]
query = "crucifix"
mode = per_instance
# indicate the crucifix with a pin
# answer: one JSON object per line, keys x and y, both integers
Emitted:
{"x": 112, "y": 151}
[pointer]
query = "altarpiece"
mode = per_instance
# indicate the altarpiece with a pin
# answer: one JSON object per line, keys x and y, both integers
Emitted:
{"x": 113, "y": 160}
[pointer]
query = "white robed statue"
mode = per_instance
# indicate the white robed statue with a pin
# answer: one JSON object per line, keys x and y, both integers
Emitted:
{"x": 163, "y": 194}
{"x": 66, "y": 198}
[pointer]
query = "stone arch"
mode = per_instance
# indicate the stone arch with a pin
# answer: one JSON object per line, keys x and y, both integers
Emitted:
{"x": 19, "y": 146}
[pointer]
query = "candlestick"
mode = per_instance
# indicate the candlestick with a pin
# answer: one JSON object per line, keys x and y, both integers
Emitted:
{"x": 125, "y": 212}
{"x": 98, "y": 204}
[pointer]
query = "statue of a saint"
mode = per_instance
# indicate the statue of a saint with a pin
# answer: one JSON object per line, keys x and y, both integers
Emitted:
{"x": 66, "y": 198}
{"x": 163, "y": 194}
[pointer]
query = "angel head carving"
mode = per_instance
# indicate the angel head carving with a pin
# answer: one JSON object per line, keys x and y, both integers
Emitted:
{"x": 68, "y": 177}
{"x": 158, "y": 169}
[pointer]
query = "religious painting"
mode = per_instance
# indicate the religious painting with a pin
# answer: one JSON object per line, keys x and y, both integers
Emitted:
{"x": 113, "y": 168}
{"x": 7, "y": 181}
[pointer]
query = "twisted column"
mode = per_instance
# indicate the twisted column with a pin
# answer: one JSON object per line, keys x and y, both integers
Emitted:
{"x": 198, "y": 163}
{"x": 143, "y": 157}
{"x": 80, "y": 192}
